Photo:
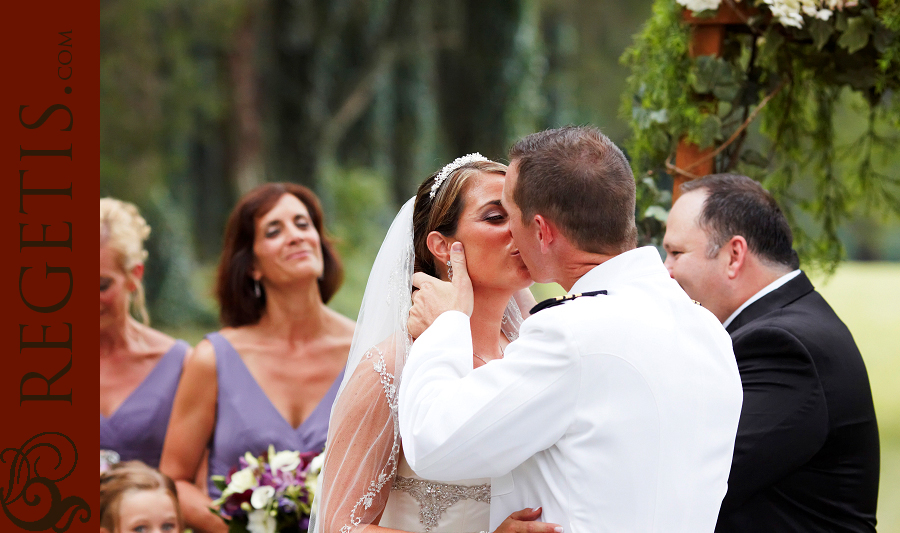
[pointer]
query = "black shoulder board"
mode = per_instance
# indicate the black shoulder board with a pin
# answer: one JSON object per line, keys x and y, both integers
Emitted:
{"x": 559, "y": 300}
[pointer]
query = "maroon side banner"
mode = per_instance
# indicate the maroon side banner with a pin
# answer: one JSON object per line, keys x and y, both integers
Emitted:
{"x": 49, "y": 152}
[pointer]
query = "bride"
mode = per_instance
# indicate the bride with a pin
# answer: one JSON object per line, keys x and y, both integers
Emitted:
{"x": 366, "y": 482}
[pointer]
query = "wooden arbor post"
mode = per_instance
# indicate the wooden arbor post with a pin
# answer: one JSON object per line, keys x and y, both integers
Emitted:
{"x": 707, "y": 35}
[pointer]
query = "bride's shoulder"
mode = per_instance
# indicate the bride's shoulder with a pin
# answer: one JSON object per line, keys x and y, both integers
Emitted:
{"x": 387, "y": 351}
{"x": 376, "y": 375}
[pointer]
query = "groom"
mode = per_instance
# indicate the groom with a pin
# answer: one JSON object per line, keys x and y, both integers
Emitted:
{"x": 616, "y": 408}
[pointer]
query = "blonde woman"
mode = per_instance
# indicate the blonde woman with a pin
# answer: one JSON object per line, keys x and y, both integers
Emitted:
{"x": 139, "y": 366}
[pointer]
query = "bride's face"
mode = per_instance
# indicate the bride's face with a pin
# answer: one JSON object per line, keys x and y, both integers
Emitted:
{"x": 491, "y": 257}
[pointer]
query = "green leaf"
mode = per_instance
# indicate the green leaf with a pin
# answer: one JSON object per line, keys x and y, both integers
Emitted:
{"x": 840, "y": 21}
{"x": 236, "y": 527}
{"x": 660, "y": 116}
{"x": 704, "y": 74}
{"x": 657, "y": 212}
{"x": 883, "y": 38}
{"x": 710, "y": 131}
{"x": 640, "y": 117}
{"x": 769, "y": 44}
{"x": 659, "y": 140}
{"x": 820, "y": 31}
{"x": 868, "y": 14}
{"x": 714, "y": 75}
{"x": 650, "y": 184}
{"x": 856, "y": 36}
{"x": 219, "y": 482}
{"x": 754, "y": 158}
{"x": 726, "y": 91}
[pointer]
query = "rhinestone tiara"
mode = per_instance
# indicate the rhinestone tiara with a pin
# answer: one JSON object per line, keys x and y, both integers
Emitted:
{"x": 450, "y": 167}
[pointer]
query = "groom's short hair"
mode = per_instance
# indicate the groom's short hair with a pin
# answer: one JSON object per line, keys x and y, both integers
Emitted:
{"x": 577, "y": 178}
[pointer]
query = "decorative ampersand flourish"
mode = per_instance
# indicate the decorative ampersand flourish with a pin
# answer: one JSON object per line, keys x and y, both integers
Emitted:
{"x": 32, "y": 479}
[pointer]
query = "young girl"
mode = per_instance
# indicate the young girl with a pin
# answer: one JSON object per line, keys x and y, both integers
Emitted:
{"x": 137, "y": 498}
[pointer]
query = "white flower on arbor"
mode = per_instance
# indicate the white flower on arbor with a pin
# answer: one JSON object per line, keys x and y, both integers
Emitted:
{"x": 700, "y": 5}
{"x": 786, "y": 12}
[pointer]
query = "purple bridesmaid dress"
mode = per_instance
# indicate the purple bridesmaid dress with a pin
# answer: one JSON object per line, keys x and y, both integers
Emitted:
{"x": 137, "y": 428}
{"x": 246, "y": 420}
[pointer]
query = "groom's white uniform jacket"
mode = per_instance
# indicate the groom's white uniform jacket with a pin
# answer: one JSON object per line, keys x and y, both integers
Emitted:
{"x": 614, "y": 413}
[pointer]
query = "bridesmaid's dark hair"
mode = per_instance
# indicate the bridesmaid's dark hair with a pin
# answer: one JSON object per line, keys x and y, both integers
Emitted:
{"x": 238, "y": 303}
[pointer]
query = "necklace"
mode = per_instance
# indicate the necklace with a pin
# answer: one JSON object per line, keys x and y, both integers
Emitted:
{"x": 482, "y": 358}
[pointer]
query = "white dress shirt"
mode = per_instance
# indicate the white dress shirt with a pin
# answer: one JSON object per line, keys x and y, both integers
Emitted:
{"x": 765, "y": 290}
{"x": 614, "y": 413}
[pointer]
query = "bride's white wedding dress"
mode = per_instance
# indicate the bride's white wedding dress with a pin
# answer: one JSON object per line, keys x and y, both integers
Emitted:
{"x": 366, "y": 480}
{"x": 419, "y": 505}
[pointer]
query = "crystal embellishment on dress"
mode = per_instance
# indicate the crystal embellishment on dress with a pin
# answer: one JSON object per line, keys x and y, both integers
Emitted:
{"x": 434, "y": 498}
{"x": 390, "y": 468}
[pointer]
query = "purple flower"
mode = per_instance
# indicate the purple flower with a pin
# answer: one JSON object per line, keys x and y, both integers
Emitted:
{"x": 232, "y": 506}
{"x": 283, "y": 480}
{"x": 286, "y": 506}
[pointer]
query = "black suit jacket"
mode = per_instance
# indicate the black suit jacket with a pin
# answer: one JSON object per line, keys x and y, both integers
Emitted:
{"x": 806, "y": 457}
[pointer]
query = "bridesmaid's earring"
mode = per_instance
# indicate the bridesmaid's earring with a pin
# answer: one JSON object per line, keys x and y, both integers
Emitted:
{"x": 449, "y": 271}
{"x": 256, "y": 289}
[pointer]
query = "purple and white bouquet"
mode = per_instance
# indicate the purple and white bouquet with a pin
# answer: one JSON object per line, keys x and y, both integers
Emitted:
{"x": 270, "y": 493}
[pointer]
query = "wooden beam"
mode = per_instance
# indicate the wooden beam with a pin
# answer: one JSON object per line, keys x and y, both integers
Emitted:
{"x": 707, "y": 35}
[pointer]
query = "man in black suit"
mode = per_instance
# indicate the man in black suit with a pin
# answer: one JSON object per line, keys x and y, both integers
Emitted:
{"x": 806, "y": 457}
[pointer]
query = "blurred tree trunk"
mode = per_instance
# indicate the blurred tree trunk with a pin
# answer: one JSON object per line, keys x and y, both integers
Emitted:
{"x": 328, "y": 56}
{"x": 212, "y": 199}
{"x": 560, "y": 40}
{"x": 292, "y": 90}
{"x": 414, "y": 105}
{"x": 478, "y": 78}
{"x": 246, "y": 165}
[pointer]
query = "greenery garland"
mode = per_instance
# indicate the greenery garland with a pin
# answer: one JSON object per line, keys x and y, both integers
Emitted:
{"x": 797, "y": 79}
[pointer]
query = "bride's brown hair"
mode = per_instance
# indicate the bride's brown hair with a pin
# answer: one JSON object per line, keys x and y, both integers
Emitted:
{"x": 442, "y": 212}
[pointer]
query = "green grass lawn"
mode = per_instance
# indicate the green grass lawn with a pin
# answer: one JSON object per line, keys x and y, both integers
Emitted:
{"x": 867, "y": 297}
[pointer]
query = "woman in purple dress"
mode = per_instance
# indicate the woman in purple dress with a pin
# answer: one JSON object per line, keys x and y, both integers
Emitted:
{"x": 270, "y": 376}
{"x": 139, "y": 366}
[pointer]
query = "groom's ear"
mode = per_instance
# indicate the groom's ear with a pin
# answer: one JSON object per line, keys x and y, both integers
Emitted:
{"x": 439, "y": 246}
{"x": 546, "y": 232}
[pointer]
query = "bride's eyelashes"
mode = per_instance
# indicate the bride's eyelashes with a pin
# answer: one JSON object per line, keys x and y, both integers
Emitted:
{"x": 494, "y": 215}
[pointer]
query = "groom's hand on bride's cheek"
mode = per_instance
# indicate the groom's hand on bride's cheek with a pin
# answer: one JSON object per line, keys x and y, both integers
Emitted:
{"x": 463, "y": 298}
{"x": 525, "y": 521}
{"x": 423, "y": 310}
{"x": 431, "y": 297}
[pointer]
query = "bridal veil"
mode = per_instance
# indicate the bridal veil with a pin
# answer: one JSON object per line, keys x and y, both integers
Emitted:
{"x": 363, "y": 447}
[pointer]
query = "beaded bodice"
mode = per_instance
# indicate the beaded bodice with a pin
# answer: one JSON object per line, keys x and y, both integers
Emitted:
{"x": 434, "y": 497}
{"x": 432, "y": 506}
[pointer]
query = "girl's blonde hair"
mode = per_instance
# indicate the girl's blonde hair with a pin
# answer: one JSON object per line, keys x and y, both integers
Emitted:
{"x": 132, "y": 476}
{"x": 123, "y": 229}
